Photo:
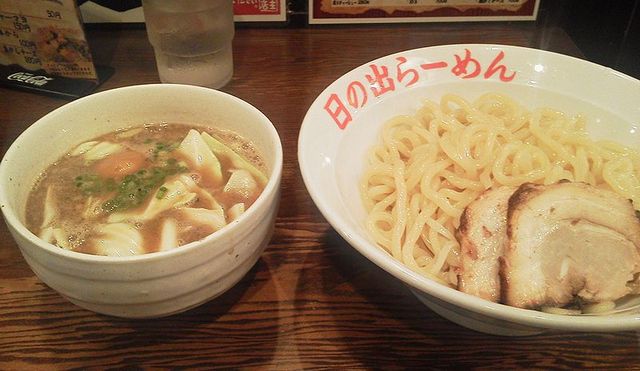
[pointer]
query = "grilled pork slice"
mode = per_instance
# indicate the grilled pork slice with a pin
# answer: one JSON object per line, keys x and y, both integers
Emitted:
{"x": 482, "y": 235}
{"x": 568, "y": 240}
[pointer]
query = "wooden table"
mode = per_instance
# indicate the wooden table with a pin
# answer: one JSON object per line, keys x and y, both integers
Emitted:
{"x": 311, "y": 300}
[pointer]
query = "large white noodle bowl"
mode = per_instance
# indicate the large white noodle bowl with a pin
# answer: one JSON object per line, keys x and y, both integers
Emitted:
{"x": 332, "y": 149}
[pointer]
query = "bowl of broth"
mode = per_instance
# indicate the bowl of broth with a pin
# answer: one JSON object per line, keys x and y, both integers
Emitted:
{"x": 501, "y": 184}
{"x": 143, "y": 201}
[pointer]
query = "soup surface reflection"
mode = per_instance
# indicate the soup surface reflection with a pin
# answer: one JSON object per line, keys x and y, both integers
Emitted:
{"x": 145, "y": 189}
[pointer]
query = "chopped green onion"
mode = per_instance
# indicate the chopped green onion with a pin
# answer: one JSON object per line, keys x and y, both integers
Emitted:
{"x": 91, "y": 184}
{"x": 163, "y": 147}
{"x": 162, "y": 191}
{"x": 133, "y": 189}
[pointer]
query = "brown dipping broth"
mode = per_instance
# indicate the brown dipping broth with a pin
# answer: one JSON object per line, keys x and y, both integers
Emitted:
{"x": 71, "y": 201}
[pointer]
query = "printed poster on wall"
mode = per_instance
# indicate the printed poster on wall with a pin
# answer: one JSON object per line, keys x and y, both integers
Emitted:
{"x": 397, "y": 11}
{"x": 130, "y": 11}
{"x": 260, "y": 10}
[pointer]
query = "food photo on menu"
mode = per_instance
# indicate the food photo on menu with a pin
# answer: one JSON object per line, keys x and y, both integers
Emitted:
{"x": 342, "y": 184}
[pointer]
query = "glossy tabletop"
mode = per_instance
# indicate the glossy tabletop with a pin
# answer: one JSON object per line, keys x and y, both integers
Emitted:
{"x": 311, "y": 301}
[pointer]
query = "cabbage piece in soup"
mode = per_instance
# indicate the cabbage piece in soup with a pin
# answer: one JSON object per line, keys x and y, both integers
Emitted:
{"x": 145, "y": 189}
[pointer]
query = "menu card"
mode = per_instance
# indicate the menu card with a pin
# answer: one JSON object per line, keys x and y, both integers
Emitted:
{"x": 43, "y": 47}
{"x": 260, "y": 10}
{"x": 388, "y": 11}
{"x": 130, "y": 11}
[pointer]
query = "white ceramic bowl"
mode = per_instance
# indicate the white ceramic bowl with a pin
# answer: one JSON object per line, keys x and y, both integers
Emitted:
{"x": 346, "y": 118}
{"x": 155, "y": 284}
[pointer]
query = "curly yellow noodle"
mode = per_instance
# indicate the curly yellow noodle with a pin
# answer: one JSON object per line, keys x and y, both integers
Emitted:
{"x": 428, "y": 167}
{"x": 399, "y": 210}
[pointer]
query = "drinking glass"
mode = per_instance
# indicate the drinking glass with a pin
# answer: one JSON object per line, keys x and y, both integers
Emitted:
{"x": 192, "y": 40}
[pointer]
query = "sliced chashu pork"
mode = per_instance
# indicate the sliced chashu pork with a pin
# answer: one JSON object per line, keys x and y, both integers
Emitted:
{"x": 482, "y": 235}
{"x": 567, "y": 240}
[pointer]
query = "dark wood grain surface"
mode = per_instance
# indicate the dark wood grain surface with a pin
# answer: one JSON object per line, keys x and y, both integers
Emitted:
{"x": 311, "y": 301}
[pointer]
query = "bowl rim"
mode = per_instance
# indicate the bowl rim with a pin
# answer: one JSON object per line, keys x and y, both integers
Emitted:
{"x": 270, "y": 188}
{"x": 428, "y": 286}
